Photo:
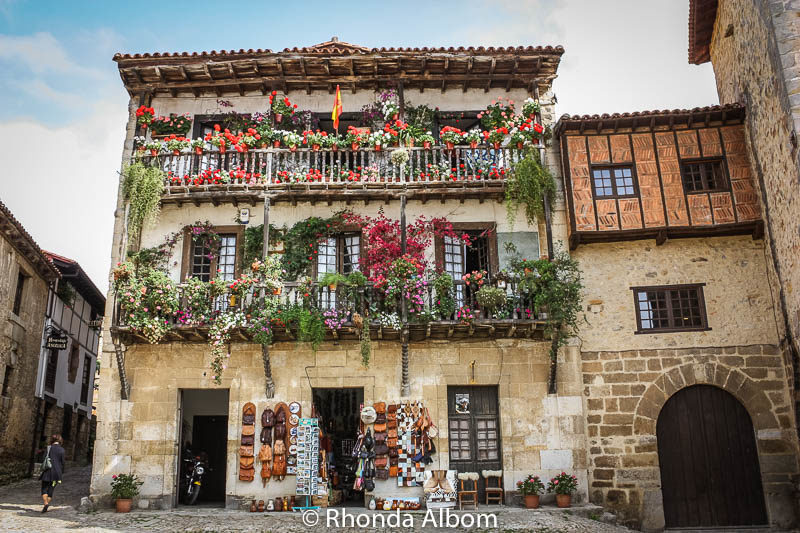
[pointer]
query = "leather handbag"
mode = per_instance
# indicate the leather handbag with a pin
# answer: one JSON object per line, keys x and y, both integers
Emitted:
{"x": 266, "y": 435}
{"x": 381, "y": 449}
{"x": 393, "y": 452}
{"x": 247, "y": 474}
{"x": 246, "y": 462}
{"x": 382, "y": 474}
{"x": 391, "y": 423}
{"x": 380, "y": 418}
{"x": 248, "y": 420}
{"x": 381, "y": 462}
{"x": 393, "y": 471}
{"x": 380, "y": 437}
{"x": 280, "y": 417}
{"x": 248, "y": 440}
{"x": 267, "y": 418}
{"x": 393, "y": 433}
{"x": 248, "y": 430}
{"x": 246, "y": 451}
{"x": 280, "y": 432}
{"x": 380, "y": 407}
{"x": 394, "y": 460}
{"x": 380, "y": 427}
{"x": 279, "y": 448}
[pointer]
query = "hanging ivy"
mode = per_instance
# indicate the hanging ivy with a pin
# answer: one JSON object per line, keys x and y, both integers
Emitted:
{"x": 254, "y": 241}
{"x": 528, "y": 185}
{"x": 142, "y": 187}
{"x": 301, "y": 243}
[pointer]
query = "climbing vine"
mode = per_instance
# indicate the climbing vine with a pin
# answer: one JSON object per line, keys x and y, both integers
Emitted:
{"x": 301, "y": 243}
{"x": 528, "y": 185}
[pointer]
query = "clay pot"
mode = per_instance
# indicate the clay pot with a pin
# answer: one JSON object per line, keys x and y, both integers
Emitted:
{"x": 253, "y": 506}
{"x": 276, "y": 291}
{"x": 532, "y": 501}
{"x": 496, "y": 146}
{"x": 535, "y": 140}
{"x": 124, "y": 505}
{"x": 176, "y": 152}
{"x": 315, "y": 147}
{"x": 563, "y": 500}
{"x": 293, "y": 148}
{"x": 354, "y": 147}
{"x": 377, "y": 147}
{"x": 198, "y": 150}
{"x": 278, "y": 117}
{"x": 222, "y": 148}
{"x": 410, "y": 143}
{"x": 450, "y": 146}
{"x": 426, "y": 145}
{"x": 520, "y": 145}
{"x": 334, "y": 147}
{"x": 276, "y": 144}
{"x": 473, "y": 144}
{"x": 154, "y": 152}
{"x": 332, "y": 287}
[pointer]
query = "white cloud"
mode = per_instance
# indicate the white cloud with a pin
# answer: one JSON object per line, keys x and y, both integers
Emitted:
{"x": 61, "y": 183}
{"x": 41, "y": 53}
{"x": 37, "y": 89}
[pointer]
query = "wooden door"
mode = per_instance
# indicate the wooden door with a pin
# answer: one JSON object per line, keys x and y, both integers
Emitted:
{"x": 474, "y": 430}
{"x": 710, "y": 474}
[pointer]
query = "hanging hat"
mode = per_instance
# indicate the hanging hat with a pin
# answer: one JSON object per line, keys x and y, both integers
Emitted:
{"x": 368, "y": 414}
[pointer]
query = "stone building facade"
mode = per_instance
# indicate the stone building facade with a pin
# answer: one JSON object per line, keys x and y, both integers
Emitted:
{"x": 27, "y": 275}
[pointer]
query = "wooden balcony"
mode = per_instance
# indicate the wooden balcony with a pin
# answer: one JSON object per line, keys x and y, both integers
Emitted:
{"x": 516, "y": 320}
{"x": 325, "y": 175}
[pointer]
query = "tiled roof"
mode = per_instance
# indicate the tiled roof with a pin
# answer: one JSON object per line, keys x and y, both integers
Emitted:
{"x": 702, "y": 15}
{"x": 727, "y": 112}
{"x": 15, "y": 232}
{"x": 655, "y": 113}
{"x": 72, "y": 271}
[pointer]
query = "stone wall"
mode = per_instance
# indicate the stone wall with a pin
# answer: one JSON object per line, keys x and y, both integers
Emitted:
{"x": 540, "y": 433}
{"x": 755, "y": 52}
{"x": 625, "y": 392}
{"x": 20, "y": 338}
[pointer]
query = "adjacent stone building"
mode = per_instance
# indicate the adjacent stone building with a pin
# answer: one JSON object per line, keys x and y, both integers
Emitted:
{"x": 26, "y": 275}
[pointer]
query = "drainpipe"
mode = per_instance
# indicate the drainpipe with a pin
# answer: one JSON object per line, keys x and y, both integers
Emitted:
{"x": 38, "y": 424}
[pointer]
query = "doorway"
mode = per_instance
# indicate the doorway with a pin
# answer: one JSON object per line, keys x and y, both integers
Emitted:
{"x": 204, "y": 433}
{"x": 474, "y": 430}
{"x": 710, "y": 476}
{"x": 339, "y": 411}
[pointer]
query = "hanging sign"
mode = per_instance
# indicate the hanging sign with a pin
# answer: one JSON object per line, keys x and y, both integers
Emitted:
{"x": 56, "y": 342}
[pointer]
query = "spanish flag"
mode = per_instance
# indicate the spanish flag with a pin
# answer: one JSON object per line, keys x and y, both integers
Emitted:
{"x": 337, "y": 109}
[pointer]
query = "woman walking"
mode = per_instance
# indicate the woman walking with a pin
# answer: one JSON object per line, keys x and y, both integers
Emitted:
{"x": 52, "y": 470}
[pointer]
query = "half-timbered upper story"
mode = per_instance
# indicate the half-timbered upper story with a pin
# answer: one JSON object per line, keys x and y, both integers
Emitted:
{"x": 662, "y": 174}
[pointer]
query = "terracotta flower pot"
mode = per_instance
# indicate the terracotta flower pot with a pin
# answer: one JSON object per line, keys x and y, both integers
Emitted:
{"x": 563, "y": 500}
{"x": 276, "y": 291}
{"x": 332, "y": 287}
{"x": 198, "y": 150}
{"x": 426, "y": 145}
{"x": 222, "y": 148}
{"x": 263, "y": 144}
{"x": 520, "y": 145}
{"x": 354, "y": 147}
{"x": 153, "y": 152}
{"x": 450, "y": 146}
{"x": 144, "y": 126}
{"x": 315, "y": 147}
{"x": 532, "y": 501}
{"x": 334, "y": 148}
{"x": 536, "y": 140}
{"x": 124, "y": 505}
{"x": 377, "y": 147}
{"x": 278, "y": 117}
{"x": 410, "y": 143}
{"x": 276, "y": 144}
{"x": 496, "y": 146}
{"x": 473, "y": 144}
{"x": 293, "y": 148}
{"x": 176, "y": 152}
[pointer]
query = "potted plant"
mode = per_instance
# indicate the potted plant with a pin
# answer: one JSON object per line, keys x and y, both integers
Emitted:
{"x": 379, "y": 139}
{"x": 451, "y": 136}
{"x": 491, "y": 298}
{"x": 198, "y": 145}
{"x": 530, "y": 107}
{"x": 332, "y": 280}
{"x": 476, "y": 278}
{"x": 426, "y": 139}
{"x": 517, "y": 138}
{"x": 173, "y": 124}
{"x": 175, "y": 144}
{"x": 280, "y": 107}
{"x": 353, "y": 138}
{"x": 292, "y": 140}
{"x": 563, "y": 485}
{"x": 496, "y": 136}
{"x": 473, "y": 137}
{"x": 498, "y": 114}
{"x": 530, "y": 488}
{"x": 316, "y": 139}
{"x": 154, "y": 147}
{"x": 145, "y": 115}
{"x": 124, "y": 487}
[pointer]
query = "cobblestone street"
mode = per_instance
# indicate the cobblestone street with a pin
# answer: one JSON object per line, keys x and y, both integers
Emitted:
{"x": 20, "y": 510}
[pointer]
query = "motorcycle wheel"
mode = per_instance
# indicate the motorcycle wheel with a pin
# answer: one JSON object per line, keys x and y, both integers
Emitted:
{"x": 192, "y": 493}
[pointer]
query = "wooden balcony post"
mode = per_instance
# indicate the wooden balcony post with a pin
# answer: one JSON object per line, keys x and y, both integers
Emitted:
{"x": 405, "y": 389}
{"x": 270, "y": 388}
{"x": 547, "y": 211}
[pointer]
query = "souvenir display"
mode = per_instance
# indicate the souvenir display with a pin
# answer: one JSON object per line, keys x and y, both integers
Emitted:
{"x": 246, "y": 450}
{"x": 440, "y": 489}
{"x": 265, "y": 453}
{"x": 307, "y": 470}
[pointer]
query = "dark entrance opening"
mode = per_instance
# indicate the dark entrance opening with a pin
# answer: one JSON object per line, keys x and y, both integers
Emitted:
{"x": 710, "y": 476}
{"x": 204, "y": 434}
{"x": 474, "y": 431}
{"x": 339, "y": 413}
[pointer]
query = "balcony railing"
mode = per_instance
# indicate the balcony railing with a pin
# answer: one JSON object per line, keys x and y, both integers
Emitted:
{"x": 281, "y": 169}
{"x": 516, "y": 318}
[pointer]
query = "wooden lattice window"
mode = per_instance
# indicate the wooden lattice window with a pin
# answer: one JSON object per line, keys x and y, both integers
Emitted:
{"x": 486, "y": 439}
{"x": 613, "y": 181}
{"x": 670, "y": 308}
{"x": 706, "y": 175}
{"x": 200, "y": 261}
{"x": 459, "y": 439}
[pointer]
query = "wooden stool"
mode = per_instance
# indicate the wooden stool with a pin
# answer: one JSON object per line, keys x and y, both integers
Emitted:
{"x": 468, "y": 489}
{"x": 494, "y": 486}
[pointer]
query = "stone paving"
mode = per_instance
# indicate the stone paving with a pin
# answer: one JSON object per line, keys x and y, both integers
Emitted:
{"x": 20, "y": 510}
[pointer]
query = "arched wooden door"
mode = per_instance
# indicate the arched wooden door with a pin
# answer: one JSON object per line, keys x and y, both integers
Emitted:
{"x": 709, "y": 463}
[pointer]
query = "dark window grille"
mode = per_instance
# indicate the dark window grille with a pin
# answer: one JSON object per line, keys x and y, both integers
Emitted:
{"x": 703, "y": 175}
{"x": 459, "y": 439}
{"x": 613, "y": 182}
{"x": 201, "y": 262}
{"x": 671, "y": 308}
{"x": 52, "y": 369}
{"x": 18, "y": 294}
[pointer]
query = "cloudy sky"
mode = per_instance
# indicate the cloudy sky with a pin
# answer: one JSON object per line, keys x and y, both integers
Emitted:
{"x": 62, "y": 122}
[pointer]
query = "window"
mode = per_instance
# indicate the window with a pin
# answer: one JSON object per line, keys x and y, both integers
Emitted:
{"x": 670, "y": 308}
{"x": 200, "y": 261}
{"x": 703, "y": 175}
{"x": 50, "y": 373}
{"x": 340, "y": 253}
{"x": 7, "y": 380}
{"x": 457, "y": 259}
{"x": 72, "y": 369}
{"x": 85, "y": 378}
{"x": 613, "y": 182}
{"x": 18, "y": 294}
